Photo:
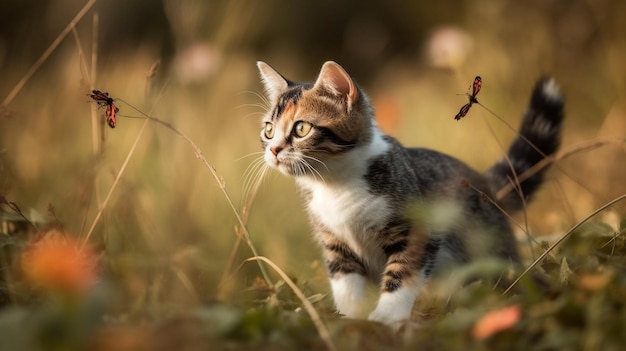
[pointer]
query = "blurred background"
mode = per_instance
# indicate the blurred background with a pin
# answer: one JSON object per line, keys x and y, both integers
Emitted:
{"x": 167, "y": 233}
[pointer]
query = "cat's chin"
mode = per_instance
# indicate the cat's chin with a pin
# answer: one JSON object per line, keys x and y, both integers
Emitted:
{"x": 285, "y": 169}
{"x": 281, "y": 167}
{"x": 288, "y": 170}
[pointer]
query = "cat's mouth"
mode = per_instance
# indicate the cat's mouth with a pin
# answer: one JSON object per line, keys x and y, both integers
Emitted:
{"x": 279, "y": 162}
{"x": 292, "y": 165}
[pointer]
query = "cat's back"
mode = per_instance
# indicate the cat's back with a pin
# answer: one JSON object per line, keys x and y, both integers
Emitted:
{"x": 418, "y": 171}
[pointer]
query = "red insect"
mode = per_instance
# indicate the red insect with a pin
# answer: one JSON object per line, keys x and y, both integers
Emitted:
{"x": 105, "y": 101}
{"x": 478, "y": 83}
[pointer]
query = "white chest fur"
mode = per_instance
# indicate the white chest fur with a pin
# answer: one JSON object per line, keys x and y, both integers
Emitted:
{"x": 346, "y": 207}
{"x": 350, "y": 212}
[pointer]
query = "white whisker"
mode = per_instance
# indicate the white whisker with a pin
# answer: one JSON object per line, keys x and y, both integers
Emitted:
{"x": 301, "y": 167}
{"x": 250, "y": 154}
{"x": 316, "y": 160}
{"x": 251, "y": 114}
{"x": 314, "y": 171}
{"x": 258, "y": 104}
{"x": 253, "y": 175}
{"x": 265, "y": 103}
{"x": 252, "y": 165}
{"x": 301, "y": 170}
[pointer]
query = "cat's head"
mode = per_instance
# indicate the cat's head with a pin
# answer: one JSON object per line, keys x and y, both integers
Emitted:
{"x": 311, "y": 128}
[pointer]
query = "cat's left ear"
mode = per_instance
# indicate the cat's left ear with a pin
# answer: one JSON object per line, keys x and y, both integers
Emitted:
{"x": 275, "y": 83}
{"x": 335, "y": 79}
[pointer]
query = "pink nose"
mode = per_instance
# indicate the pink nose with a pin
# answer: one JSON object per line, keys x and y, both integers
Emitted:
{"x": 275, "y": 150}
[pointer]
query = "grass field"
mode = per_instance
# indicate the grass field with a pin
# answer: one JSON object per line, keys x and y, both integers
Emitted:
{"x": 141, "y": 237}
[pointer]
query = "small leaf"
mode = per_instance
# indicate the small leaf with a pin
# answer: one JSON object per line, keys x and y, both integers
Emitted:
{"x": 565, "y": 272}
{"x": 316, "y": 298}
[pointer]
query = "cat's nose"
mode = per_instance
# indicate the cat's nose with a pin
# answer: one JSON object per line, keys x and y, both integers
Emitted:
{"x": 275, "y": 150}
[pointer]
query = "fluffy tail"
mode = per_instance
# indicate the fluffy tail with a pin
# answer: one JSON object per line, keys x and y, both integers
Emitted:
{"x": 539, "y": 136}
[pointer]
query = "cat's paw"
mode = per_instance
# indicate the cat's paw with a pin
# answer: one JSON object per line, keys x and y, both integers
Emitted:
{"x": 349, "y": 295}
{"x": 394, "y": 308}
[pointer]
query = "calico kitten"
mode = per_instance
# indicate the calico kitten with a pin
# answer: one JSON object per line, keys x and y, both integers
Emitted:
{"x": 384, "y": 212}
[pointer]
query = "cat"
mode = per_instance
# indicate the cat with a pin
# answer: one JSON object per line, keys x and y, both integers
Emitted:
{"x": 391, "y": 214}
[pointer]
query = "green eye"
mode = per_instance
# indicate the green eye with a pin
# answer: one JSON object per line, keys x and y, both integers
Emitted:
{"x": 301, "y": 128}
{"x": 269, "y": 130}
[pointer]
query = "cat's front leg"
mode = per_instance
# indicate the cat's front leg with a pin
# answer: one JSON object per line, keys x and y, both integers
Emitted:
{"x": 347, "y": 276}
{"x": 402, "y": 278}
{"x": 349, "y": 294}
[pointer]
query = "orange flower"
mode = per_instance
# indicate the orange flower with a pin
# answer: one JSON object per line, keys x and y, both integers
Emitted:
{"x": 496, "y": 321}
{"x": 387, "y": 115}
{"x": 56, "y": 263}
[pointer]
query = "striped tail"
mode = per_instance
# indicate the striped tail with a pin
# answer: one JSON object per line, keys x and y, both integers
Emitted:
{"x": 539, "y": 136}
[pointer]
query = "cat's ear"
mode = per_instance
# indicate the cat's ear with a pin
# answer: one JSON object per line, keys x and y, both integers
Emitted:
{"x": 275, "y": 84}
{"x": 335, "y": 79}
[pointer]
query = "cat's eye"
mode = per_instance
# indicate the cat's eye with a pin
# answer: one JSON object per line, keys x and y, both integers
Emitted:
{"x": 302, "y": 128}
{"x": 269, "y": 130}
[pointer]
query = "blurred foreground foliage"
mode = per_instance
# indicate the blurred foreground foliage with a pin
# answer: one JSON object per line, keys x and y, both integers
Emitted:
{"x": 583, "y": 307}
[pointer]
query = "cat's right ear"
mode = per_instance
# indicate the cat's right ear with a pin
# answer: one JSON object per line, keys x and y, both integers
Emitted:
{"x": 275, "y": 84}
{"x": 336, "y": 80}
